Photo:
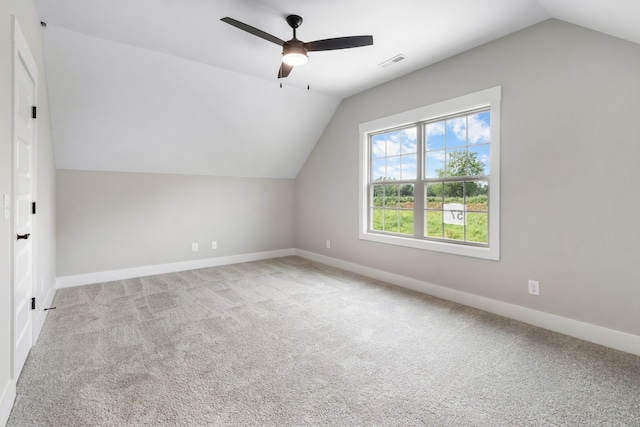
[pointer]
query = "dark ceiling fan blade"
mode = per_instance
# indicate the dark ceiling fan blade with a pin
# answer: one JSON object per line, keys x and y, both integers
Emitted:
{"x": 252, "y": 30}
{"x": 339, "y": 43}
{"x": 284, "y": 70}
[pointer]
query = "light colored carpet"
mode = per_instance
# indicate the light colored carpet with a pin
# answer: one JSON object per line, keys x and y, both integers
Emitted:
{"x": 288, "y": 342}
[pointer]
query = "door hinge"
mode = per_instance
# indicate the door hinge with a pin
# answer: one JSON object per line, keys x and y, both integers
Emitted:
{"x": 33, "y": 112}
{"x": 33, "y": 303}
{"x": 33, "y": 208}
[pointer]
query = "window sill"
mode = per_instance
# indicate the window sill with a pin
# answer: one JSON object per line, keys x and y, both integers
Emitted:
{"x": 450, "y": 248}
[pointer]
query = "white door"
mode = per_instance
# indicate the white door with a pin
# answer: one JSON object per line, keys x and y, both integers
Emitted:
{"x": 24, "y": 138}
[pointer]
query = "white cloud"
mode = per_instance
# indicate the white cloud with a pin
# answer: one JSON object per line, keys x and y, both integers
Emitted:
{"x": 479, "y": 131}
{"x": 437, "y": 155}
{"x": 409, "y": 171}
{"x": 394, "y": 142}
{"x": 409, "y": 147}
{"x": 393, "y": 172}
{"x": 379, "y": 149}
{"x": 434, "y": 129}
{"x": 459, "y": 127}
{"x": 410, "y": 132}
{"x": 409, "y": 143}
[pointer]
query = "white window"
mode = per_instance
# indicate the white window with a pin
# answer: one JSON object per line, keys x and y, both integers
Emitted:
{"x": 430, "y": 177}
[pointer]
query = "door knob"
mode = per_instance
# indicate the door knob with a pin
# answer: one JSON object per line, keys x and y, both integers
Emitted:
{"x": 23, "y": 236}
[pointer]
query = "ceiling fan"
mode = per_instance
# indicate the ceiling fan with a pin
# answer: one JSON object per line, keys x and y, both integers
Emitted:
{"x": 294, "y": 51}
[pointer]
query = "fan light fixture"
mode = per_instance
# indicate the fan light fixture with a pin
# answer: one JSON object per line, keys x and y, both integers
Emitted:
{"x": 294, "y": 56}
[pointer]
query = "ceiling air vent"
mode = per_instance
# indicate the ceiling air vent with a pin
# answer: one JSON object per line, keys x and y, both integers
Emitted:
{"x": 393, "y": 60}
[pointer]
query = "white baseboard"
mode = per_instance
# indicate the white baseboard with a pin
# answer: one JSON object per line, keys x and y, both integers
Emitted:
{"x": 7, "y": 397}
{"x": 585, "y": 331}
{"x": 150, "y": 270}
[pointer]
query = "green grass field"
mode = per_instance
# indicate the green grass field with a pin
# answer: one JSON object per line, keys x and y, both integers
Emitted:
{"x": 393, "y": 221}
{"x": 401, "y": 221}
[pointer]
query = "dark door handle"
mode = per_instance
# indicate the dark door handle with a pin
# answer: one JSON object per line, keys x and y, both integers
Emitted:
{"x": 23, "y": 236}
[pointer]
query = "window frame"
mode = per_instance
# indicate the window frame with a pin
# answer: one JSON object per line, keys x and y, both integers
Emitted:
{"x": 488, "y": 98}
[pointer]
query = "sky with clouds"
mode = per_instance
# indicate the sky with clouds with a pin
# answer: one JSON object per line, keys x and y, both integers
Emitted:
{"x": 395, "y": 156}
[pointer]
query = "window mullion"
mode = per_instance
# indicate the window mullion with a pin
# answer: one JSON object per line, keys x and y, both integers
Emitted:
{"x": 419, "y": 189}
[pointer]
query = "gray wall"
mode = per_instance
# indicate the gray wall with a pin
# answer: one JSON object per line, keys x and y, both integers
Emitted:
{"x": 570, "y": 150}
{"x": 44, "y": 229}
{"x": 112, "y": 220}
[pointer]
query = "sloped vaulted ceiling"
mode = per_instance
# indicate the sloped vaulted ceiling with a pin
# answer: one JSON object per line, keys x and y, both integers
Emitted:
{"x": 164, "y": 86}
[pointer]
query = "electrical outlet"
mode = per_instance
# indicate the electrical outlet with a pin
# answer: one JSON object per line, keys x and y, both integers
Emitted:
{"x": 534, "y": 287}
{"x": 328, "y": 244}
{"x": 194, "y": 247}
{"x": 214, "y": 245}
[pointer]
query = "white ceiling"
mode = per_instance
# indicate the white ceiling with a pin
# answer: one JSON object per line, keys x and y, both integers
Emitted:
{"x": 165, "y": 86}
